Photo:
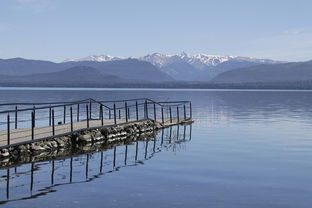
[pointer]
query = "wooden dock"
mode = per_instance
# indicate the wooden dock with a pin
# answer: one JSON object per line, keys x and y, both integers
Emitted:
{"x": 25, "y": 134}
{"x": 44, "y": 118}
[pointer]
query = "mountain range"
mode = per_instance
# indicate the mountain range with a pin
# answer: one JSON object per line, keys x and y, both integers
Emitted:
{"x": 188, "y": 67}
{"x": 156, "y": 69}
{"x": 127, "y": 69}
{"x": 286, "y": 72}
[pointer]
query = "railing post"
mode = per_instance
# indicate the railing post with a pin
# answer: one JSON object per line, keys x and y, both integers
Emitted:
{"x": 78, "y": 106}
{"x": 101, "y": 115}
{"x": 15, "y": 117}
{"x": 126, "y": 112}
{"x": 162, "y": 115}
{"x": 53, "y": 123}
{"x": 109, "y": 114}
{"x": 35, "y": 114}
{"x": 119, "y": 114}
{"x": 100, "y": 111}
{"x": 87, "y": 114}
{"x": 155, "y": 117}
{"x": 71, "y": 119}
{"x": 146, "y": 110}
{"x": 191, "y": 110}
{"x": 184, "y": 112}
{"x": 8, "y": 129}
{"x": 90, "y": 110}
{"x": 178, "y": 114}
{"x": 64, "y": 120}
{"x": 32, "y": 125}
{"x": 50, "y": 116}
{"x": 137, "y": 110}
{"x": 170, "y": 113}
{"x": 115, "y": 121}
{"x": 129, "y": 117}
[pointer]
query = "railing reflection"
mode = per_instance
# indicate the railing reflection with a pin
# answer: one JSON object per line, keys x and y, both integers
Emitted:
{"x": 91, "y": 165}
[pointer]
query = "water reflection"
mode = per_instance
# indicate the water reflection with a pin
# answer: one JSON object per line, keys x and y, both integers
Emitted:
{"x": 36, "y": 179}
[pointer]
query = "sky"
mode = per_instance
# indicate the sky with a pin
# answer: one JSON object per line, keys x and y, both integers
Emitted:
{"x": 59, "y": 29}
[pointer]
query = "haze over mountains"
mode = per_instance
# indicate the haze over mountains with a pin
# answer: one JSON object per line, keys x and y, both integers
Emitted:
{"x": 159, "y": 69}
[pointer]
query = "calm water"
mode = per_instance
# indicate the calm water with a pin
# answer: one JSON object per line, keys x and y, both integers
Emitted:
{"x": 247, "y": 149}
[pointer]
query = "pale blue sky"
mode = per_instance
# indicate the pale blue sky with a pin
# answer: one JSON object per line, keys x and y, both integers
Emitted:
{"x": 59, "y": 29}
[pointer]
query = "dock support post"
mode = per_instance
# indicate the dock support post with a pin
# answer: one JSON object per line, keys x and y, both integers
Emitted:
{"x": 71, "y": 119}
{"x": 53, "y": 123}
{"x": 170, "y": 113}
{"x": 15, "y": 117}
{"x": 178, "y": 114}
{"x": 155, "y": 116}
{"x": 32, "y": 125}
{"x": 87, "y": 114}
{"x": 162, "y": 115}
{"x": 126, "y": 112}
{"x": 137, "y": 110}
{"x": 115, "y": 121}
{"x": 119, "y": 114}
{"x": 129, "y": 117}
{"x": 8, "y": 130}
{"x": 184, "y": 108}
{"x": 109, "y": 114}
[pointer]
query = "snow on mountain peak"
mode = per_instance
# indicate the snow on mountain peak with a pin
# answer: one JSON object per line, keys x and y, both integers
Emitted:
{"x": 97, "y": 58}
{"x": 199, "y": 60}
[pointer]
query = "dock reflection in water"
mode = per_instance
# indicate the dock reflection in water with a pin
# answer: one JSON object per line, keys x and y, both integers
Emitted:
{"x": 26, "y": 181}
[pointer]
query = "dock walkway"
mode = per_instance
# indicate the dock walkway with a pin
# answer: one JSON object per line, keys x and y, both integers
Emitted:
{"x": 43, "y": 118}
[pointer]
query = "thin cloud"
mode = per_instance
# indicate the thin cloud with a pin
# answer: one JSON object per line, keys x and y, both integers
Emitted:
{"x": 35, "y": 5}
{"x": 290, "y": 45}
{"x": 298, "y": 31}
{"x": 4, "y": 27}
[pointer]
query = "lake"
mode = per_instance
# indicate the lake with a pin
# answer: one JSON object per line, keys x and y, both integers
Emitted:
{"x": 246, "y": 149}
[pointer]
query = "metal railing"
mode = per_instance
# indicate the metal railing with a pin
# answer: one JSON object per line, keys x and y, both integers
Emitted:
{"x": 27, "y": 120}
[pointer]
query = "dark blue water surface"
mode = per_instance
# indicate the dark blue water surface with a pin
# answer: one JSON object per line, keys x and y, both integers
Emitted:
{"x": 245, "y": 149}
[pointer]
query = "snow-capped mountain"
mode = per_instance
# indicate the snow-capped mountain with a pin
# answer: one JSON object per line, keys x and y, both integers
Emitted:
{"x": 190, "y": 67}
{"x": 200, "y": 67}
{"x": 197, "y": 60}
{"x": 97, "y": 58}
{"x": 162, "y": 60}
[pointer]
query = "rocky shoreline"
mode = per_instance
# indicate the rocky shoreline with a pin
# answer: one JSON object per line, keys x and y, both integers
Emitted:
{"x": 82, "y": 141}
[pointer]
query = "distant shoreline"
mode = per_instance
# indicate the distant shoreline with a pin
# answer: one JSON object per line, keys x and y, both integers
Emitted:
{"x": 181, "y": 86}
